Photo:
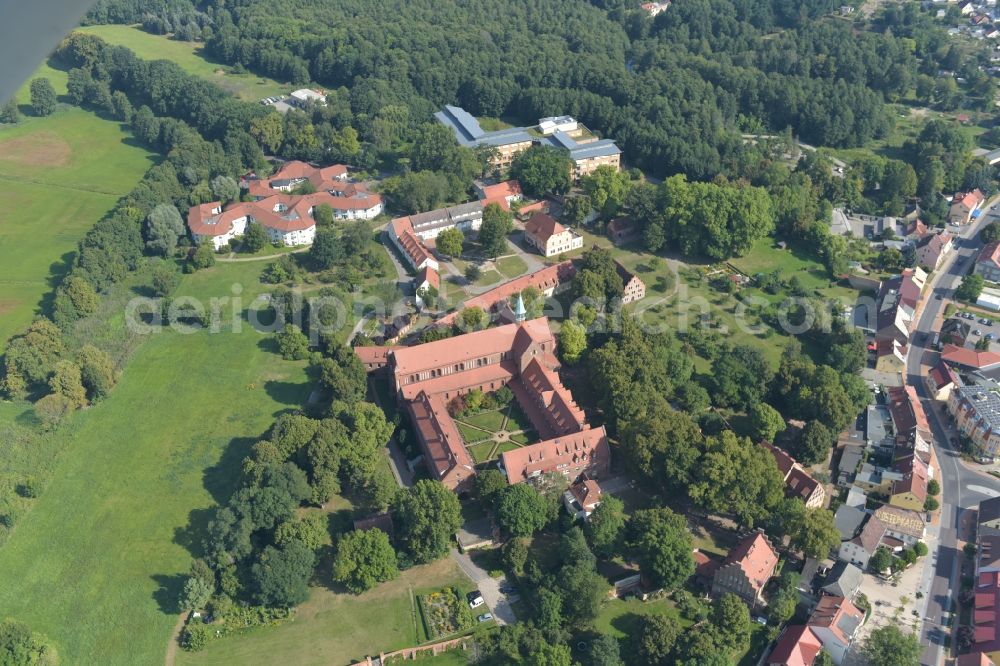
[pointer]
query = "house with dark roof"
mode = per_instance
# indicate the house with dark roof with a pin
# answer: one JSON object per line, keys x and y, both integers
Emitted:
{"x": 798, "y": 482}
{"x": 989, "y": 517}
{"x": 988, "y": 262}
{"x": 747, "y": 569}
{"x": 586, "y": 152}
{"x": 623, "y": 230}
{"x": 836, "y": 621}
{"x": 848, "y": 520}
{"x": 844, "y": 580}
{"x": 860, "y": 549}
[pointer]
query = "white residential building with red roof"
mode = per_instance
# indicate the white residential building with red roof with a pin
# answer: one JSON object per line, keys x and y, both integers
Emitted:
{"x": 503, "y": 194}
{"x": 964, "y": 206}
{"x": 349, "y": 200}
{"x": 581, "y": 498}
{"x": 836, "y": 621}
{"x": 546, "y": 235}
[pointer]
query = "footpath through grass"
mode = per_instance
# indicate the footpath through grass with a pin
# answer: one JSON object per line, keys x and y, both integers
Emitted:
{"x": 61, "y": 174}
{"x": 190, "y": 57}
{"x": 98, "y": 562}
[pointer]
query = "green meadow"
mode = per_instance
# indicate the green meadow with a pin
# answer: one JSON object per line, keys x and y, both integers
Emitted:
{"x": 189, "y": 56}
{"x": 61, "y": 174}
{"x": 97, "y": 564}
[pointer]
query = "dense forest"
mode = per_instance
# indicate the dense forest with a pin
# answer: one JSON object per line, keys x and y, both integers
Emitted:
{"x": 675, "y": 91}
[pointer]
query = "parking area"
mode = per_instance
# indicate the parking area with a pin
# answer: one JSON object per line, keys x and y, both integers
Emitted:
{"x": 894, "y": 602}
{"x": 982, "y": 327}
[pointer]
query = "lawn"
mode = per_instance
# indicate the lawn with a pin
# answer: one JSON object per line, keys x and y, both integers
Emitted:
{"x": 189, "y": 56}
{"x": 511, "y": 266}
{"x": 108, "y": 542}
{"x": 62, "y": 173}
{"x": 620, "y": 617}
{"x": 332, "y": 629}
{"x": 488, "y": 278}
{"x": 492, "y": 420}
{"x": 765, "y": 257}
{"x": 481, "y": 452}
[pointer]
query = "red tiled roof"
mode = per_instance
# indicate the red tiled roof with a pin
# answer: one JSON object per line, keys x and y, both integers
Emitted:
{"x": 915, "y": 479}
{"x": 969, "y": 358}
{"x": 543, "y": 227}
{"x": 508, "y": 188}
{"x": 464, "y": 348}
{"x": 942, "y": 375}
{"x": 784, "y": 461}
{"x": 968, "y": 199}
{"x": 547, "y": 278}
{"x": 373, "y": 354}
{"x": 829, "y": 613}
{"x": 756, "y": 557}
{"x": 990, "y": 254}
{"x": 430, "y": 276}
{"x": 587, "y": 493}
{"x": 561, "y": 412}
{"x": 974, "y": 659}
{"x": 984, "y": 616}
{"x": 798, "y": 646}
{"x": 587, "y": 445}
{"x": 446, "y": 451}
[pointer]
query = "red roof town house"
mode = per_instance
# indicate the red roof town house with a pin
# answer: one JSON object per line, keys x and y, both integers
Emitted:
{"x": 546, "y": 235}
{"x": 798, "y": 482}
{"x": 747, "y": 569}
{"x": 965, "y": 206}
{"x": 797, "y": 646}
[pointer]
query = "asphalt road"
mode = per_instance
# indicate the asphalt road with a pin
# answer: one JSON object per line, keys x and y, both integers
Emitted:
{"x": 962, "y": 488}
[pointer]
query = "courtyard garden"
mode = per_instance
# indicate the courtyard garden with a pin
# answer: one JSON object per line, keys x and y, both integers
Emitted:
{"x": 492, "y": 424}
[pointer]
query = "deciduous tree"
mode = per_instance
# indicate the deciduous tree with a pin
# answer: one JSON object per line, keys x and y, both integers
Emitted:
{"x": 364, "y": 558}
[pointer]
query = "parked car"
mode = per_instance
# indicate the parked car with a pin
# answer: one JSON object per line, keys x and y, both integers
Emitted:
{"x": 475, "y": 599}
{"x": 485, "y": 617}
{"x": 978, "y": 331}
{"x": 990, "y": 336}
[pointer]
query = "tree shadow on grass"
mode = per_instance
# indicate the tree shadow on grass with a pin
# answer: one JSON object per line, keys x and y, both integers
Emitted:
{"x": 286, "y": 393}
{"x": 168, "y": 592}
{"x": 57, "y": 271}
{"x": 268, "y": 344}
{"x": 220, "y": 479}
{"x": 628, "y": 623}
{"x": 192, "y": 533}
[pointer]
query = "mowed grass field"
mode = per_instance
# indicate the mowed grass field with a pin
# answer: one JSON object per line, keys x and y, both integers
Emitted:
{"x": 189, "y": 56}
{"x": 61, "y": 174}
{"x": 333, "y": 629}
{"x": 97, "y": 564}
